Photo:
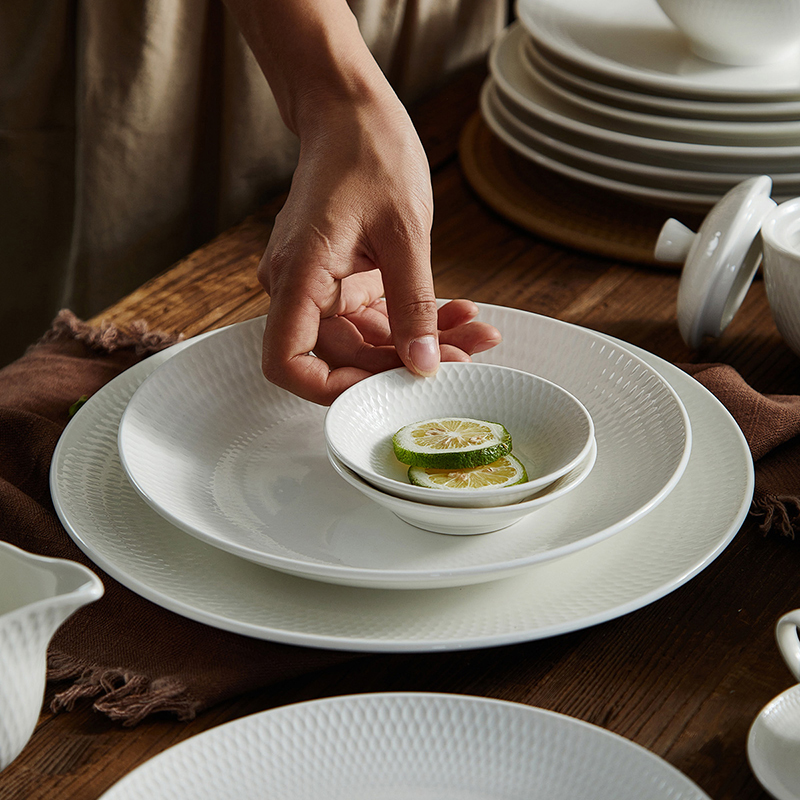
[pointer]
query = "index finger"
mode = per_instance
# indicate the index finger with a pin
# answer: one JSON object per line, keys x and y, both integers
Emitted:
{"x": 289, "y": 338}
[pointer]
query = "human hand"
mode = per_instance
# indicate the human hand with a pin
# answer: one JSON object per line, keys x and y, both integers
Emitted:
{"x": 357, "y": 222}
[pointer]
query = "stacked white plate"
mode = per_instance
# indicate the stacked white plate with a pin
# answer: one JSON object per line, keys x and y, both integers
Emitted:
{"x": 609, "y": 94}
{"x": 202, "y": 487}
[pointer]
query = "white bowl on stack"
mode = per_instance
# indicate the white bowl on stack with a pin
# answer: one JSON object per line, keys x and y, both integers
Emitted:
{"x": 552, "y": 435}
{"x": 612, "y": 94}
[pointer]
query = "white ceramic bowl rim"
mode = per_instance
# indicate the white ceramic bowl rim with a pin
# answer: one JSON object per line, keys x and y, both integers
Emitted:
{"x": 384, "y": 481}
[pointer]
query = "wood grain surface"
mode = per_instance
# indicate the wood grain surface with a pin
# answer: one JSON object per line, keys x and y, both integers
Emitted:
{"x": 684, "y": 676}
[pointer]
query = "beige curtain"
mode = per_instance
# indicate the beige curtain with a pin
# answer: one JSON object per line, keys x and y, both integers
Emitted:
{"x": 133, "y": 131}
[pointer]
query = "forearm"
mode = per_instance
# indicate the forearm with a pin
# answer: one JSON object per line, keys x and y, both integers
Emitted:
{"x": 312, "y": 55}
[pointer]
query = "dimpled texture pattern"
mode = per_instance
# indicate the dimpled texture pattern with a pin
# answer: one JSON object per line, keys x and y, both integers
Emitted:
{"x": 651, "y": 557}
{"x": 550, "y": 431}
{"x": 36, "y": 595}
{"x": 406, "y": 747}
{"x": 773, "y": 746}
{"x": 241, "y": 464}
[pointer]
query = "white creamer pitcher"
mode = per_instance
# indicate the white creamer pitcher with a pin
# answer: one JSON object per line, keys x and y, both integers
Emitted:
{"x": 36, "y": 595}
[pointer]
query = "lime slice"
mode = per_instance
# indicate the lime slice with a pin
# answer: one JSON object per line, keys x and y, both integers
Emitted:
{"x": 506, "y": 471}
{"x": 451, "y": 443}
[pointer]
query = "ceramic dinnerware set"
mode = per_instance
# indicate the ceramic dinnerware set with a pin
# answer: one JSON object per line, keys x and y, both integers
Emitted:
{"x": 202, "y": 487}
{"x": 613, "y": 95}
{"x": 241, "y": 464}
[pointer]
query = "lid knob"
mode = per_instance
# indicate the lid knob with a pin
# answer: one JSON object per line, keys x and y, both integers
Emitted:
{"x": 674, "y": 242}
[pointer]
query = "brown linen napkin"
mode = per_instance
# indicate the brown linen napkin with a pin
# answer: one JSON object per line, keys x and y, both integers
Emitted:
{"x": 771, "y": 424}
{"x": 131, "y": 655}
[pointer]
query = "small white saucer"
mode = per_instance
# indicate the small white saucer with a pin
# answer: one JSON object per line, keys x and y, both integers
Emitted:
{"x": 773, "y": 746}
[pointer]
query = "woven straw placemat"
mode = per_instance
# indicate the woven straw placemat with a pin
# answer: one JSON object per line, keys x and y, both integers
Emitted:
{"x": 558, "y": 209}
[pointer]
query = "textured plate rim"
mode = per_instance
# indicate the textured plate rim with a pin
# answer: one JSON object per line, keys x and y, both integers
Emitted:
{"x": 402, "y": 705}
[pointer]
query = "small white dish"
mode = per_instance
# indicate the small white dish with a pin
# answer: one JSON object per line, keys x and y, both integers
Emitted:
{"x": 468, "y": 521}
{"x": 668, "y": 542}
{"x": 406, "y": 746}
{"x": 551, "y": 430}
{"x": 773, "y": 744}
{"x": 632, "y": 43}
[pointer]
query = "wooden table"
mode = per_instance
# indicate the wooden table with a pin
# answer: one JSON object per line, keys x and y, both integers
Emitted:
{"x": 684, "y": 676}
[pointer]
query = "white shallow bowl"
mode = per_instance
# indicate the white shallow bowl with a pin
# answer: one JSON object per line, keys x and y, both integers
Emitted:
{"x": 406, "y": 746}
{"x": 240, "y": 464}
{"x": 551, "y": 430}
{"x": 467, "y": 521}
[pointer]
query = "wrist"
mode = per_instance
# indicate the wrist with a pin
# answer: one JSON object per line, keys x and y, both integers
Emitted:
{"x": 313, "y": 56}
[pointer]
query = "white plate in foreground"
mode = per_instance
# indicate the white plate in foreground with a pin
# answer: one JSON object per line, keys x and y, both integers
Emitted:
{"x": 242, "y": 465}
{"x": 656, "y": 554}
{"x": 406, "y": 747}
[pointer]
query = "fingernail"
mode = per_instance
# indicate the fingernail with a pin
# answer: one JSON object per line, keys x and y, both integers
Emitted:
{"x": 424, "y": 355}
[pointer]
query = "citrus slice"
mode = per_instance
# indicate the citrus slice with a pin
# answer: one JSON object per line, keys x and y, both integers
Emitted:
{"x": 451, "y": 443}
{"x": 506, "y": 471}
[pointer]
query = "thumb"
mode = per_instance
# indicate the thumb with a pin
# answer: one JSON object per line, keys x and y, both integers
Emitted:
{"x": 411, "y": 306}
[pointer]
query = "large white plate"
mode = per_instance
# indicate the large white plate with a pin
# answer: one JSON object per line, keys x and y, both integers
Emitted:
{"x": 241, "y": 464}
{"x": 550, "y": 115}
{"x": 548, "y": 153}
{"x": 650, "y": 558}
{"x": 633, "y": 43}
{"x": 406, "y": 747}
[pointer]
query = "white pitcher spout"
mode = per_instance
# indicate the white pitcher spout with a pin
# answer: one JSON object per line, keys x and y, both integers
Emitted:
{"x": 36, "y": 595}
